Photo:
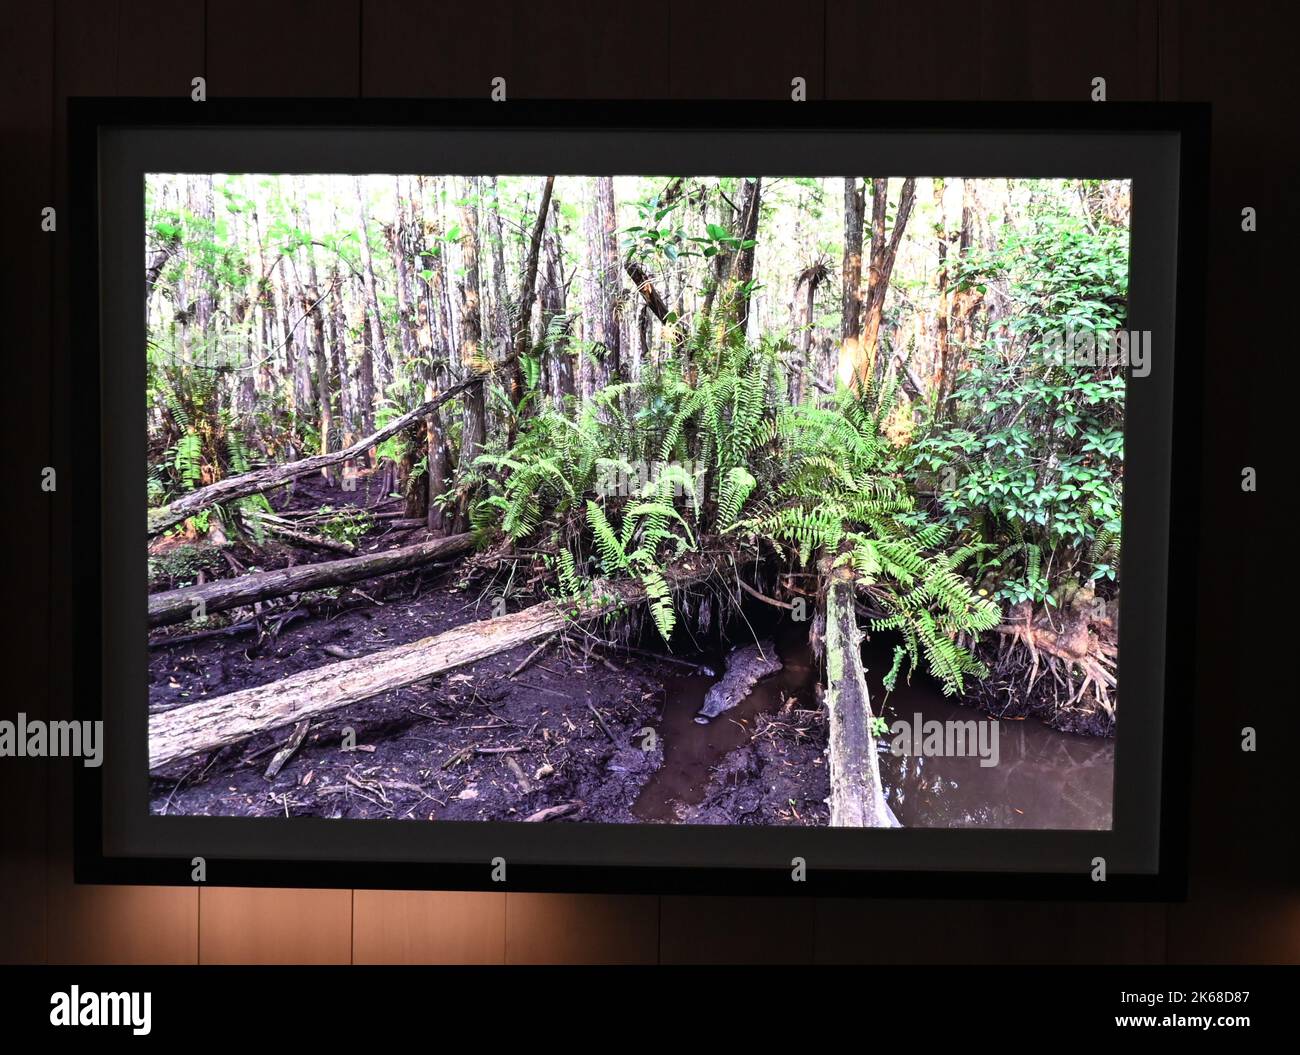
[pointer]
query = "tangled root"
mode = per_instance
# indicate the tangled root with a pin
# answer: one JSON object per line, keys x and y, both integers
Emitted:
{"x": 1059, "y": 664}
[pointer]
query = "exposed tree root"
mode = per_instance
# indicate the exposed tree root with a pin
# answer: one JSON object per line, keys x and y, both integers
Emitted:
{"x": 1056, "y": 664}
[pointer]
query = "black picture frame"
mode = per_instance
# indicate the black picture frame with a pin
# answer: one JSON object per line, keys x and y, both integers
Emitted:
{"x": 88, "y": 118}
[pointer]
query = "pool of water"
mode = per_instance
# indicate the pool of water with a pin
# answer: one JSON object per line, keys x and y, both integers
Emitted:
{"x": 1043, "y": 778}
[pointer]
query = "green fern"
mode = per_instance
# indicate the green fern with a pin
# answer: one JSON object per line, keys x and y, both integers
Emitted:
{"x": 189, "y": 460}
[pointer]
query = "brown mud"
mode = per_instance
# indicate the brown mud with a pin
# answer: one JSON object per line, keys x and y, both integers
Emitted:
{"x": 585, "y": 732}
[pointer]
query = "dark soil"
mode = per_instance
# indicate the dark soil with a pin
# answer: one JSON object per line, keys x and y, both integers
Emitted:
{"x": 477, "y": 744}
{"x": 474, "y": 744}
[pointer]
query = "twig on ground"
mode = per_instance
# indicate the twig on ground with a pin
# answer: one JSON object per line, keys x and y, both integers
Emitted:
{"x": 591, "y": 707}
{"x": 533, "y": 655}
{"x": 286, "y": 752}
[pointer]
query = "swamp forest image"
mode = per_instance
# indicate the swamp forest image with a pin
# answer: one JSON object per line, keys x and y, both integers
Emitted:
{"x": 740, "y": 500}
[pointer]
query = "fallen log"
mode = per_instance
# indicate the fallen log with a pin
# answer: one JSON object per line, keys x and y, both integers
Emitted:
{"x": 174, "y": 606}
{"x": 857, "y": 799}
{"x": 164, "y": 517}
{"x": 281, "y": 529}
{"x": 214, "y": 723}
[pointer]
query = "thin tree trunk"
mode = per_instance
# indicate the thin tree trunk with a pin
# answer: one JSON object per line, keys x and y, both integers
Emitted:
{"x": 379, "y": 352}
{"x": 298, "y": 334}
{"x": 366, "y": 371}
{"x": 858, "y": 363}
{"x": 431, "y": 341}
{"x": 320, "y": 349}
{"x": 266, "y": 306}
{"x": 339, "y": 332}
{"x": 175, "y": 606}
{"x": 201, "y": 206}
{"x": 809, "y": 279}
{"x": 600, "y": 308}
{"x": 524, "y": 308}
{"x": 555, "y": 322}
{"x": 502, "y": 338}
{"x": 744, "y": 258}
{"x": 941, "y": 308}
{"x": 474, "y": 432}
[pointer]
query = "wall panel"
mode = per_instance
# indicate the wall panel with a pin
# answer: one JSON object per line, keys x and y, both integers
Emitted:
{"x": 736, "y": 930}
{"x": 26, "y": 89}
{"x": 898, "y": 49}
{"x": 745, "y": 51}
{"x": 153, "y": 47}
{"x": 268, "y": 925}
{"x": 290, "y": 47}
{"x": 419, "y": 926}
{"x": 565, "y": 49}
{"x": 581, "y": 928}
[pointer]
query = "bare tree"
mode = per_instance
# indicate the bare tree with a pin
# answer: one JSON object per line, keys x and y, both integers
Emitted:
{"x": 471, "y": 356}
{"x": 858, "y": 363}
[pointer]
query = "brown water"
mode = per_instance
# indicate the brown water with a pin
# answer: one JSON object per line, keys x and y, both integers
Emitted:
{"x": 1044, "y": 779}
{"x": 692, "y": 750}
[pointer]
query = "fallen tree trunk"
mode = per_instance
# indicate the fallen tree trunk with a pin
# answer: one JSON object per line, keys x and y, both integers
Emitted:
{"x": 282, "y": 528}
{"x": 167, "y": 516}
{"x": 189, "y": 602}
{"x": 236, "y": 716}
{"x": 857, "y": 799}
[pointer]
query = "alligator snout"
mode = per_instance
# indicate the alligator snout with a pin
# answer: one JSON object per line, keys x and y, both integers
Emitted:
{"x": 745, "y": 668}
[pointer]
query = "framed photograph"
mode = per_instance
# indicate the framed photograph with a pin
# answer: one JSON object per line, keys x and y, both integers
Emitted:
{"x": 659, "y": 497}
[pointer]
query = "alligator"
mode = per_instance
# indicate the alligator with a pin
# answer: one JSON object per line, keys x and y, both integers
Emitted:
{"x": 745, "y": 666}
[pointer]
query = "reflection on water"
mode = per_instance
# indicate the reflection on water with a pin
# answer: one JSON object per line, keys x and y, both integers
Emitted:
{"x": 1043, "y": 779}
{"x": 691, "y": 750}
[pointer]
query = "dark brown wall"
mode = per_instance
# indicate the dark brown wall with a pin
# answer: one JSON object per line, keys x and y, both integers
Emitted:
{"x": 1245, "y": 902}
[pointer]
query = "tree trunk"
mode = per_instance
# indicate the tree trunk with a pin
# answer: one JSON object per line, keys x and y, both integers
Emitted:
{"x": 175, "y": 606}
{"x": 297, "y": 352}
{"x": 266, "y": 304}
{"x": 501, "y": 336}
{"x": 555, "y": 322}
{"x": 201, "y": 206}
{"x": 858, "y": 362}
{"x": 366, "y": 370}
{"x": 314, "y": 305}
{"x": 524, "y": 308}
{"x": 339, "y": 332}
{"x": 744, "y": 259}
{"x": 857, "y": 799}
{"x": 435, "y": 344}
{"x": 810, "y": 278}
{"x": 401, "y": 249}
{"x": 941, "y": 308}
{"x": 375, "y": 322}
{"x": 474, "y": 432}
{"x": 850, "y": 311}
{"x": 602, "y": 286}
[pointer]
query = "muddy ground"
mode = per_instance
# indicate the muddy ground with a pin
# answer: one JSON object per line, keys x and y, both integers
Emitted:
{"x": 565, "y": 740}
{"x": 588, "y": 731}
